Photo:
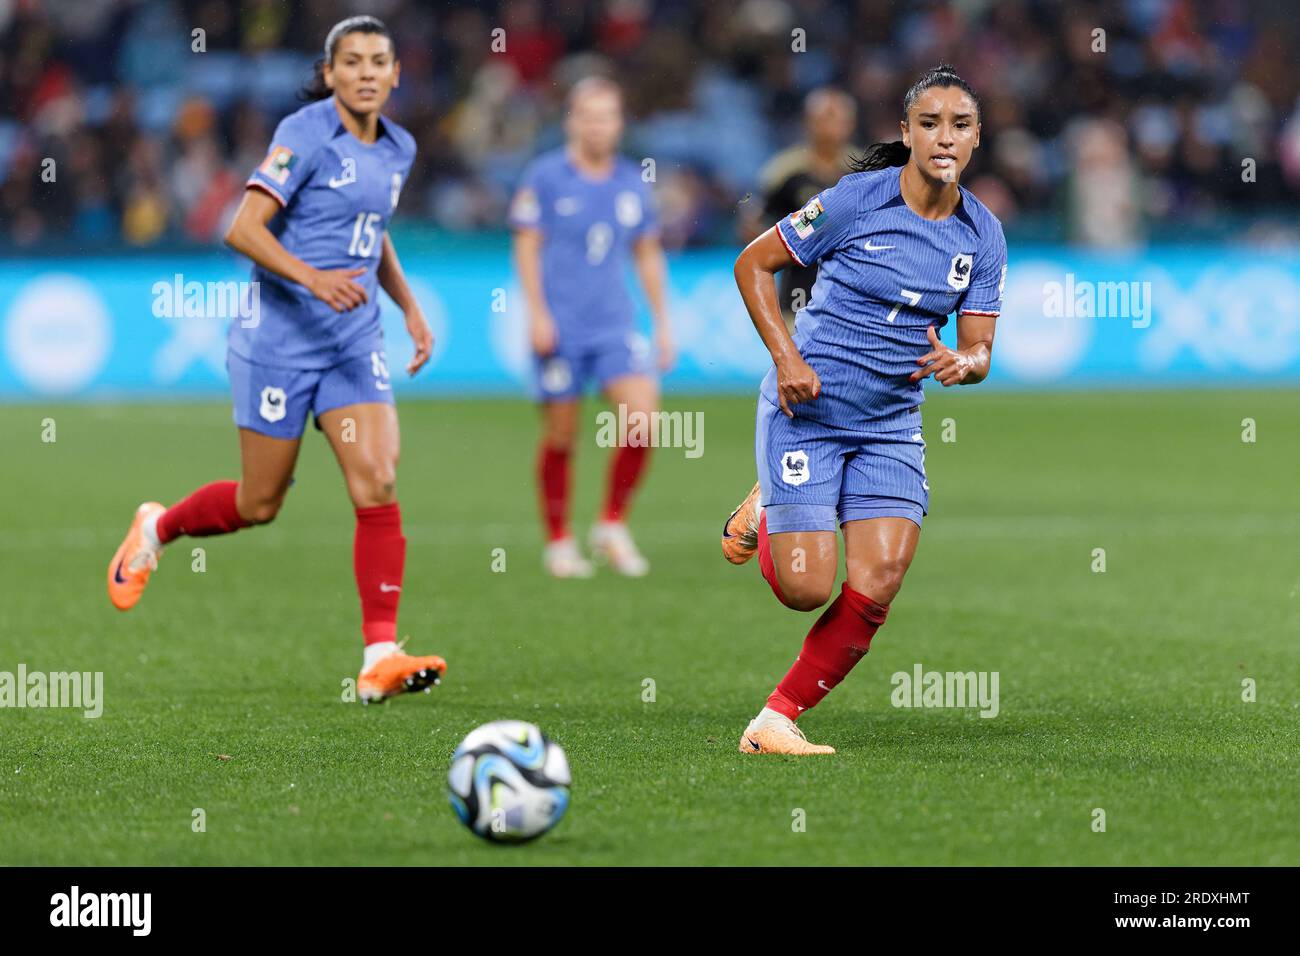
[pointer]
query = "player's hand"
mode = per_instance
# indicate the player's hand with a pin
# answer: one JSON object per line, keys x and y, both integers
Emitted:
{"x": 422, "y": 336}
{"x": 336, "y": 289}
{"x": 666, "y": 349}
{"x": 796, "y": 382}
{"x": 948, "y": 366}
{"x": 541, "y": 330}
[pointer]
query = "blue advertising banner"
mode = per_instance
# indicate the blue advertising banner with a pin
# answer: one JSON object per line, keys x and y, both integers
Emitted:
{"x": 155, "y": 326}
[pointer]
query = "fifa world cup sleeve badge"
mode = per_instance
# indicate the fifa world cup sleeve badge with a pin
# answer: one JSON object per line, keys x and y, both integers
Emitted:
{"x": 279, "y": 163}
{"x": 808, "y": 218}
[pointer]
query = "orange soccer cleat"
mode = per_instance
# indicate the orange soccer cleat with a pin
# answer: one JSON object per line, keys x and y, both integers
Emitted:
{"x": 773, "y": 733}
{"x": 740, "y": 533}
{"x": 399, "y": 673}
{"x": 134, "y": 561}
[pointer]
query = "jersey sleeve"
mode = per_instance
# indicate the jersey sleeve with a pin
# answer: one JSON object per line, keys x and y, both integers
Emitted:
{"x": 821, "y": 226}
{"x": 985, "y": 294}
{"x": 527, "y": 208}
{"x": 288, "y": 162}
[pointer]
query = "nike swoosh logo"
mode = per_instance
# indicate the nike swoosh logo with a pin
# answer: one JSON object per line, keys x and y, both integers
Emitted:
{"x": 870, "y": 248}
{"x": 753, "y": 744}
{"x": 117, "y": 573}
{"x": 822, "y": 685}
{"x": 389, "y": 587}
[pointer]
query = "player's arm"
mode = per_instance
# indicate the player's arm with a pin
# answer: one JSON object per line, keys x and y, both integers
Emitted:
{"x": 755, "y": 271}
{"x": 651, "y": 269}
{"x": 248, "y": 234}
{"x": 968, "y": 363}
{"x": 393, "y": 281}
{"x": 528, "y": 263}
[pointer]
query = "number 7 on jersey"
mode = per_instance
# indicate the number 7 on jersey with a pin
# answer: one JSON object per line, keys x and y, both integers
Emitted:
{"x": 912, "y": 299}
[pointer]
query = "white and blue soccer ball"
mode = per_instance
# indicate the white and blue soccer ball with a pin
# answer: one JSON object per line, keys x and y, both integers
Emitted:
{"x": 508, "y": 782}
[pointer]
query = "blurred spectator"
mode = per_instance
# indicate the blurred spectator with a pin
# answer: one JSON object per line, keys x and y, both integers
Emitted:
{"x": 794, "y": 175}
{"x": 152, "y": 141}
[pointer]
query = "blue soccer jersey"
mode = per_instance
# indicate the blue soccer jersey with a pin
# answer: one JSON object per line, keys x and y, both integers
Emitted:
{"x": 588, "y": 228}
{"x": 337, "y": 195}
{"x": 884, "y": 276}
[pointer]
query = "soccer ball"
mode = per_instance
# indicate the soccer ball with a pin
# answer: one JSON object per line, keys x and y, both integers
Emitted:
{"x": 508, "y": 782}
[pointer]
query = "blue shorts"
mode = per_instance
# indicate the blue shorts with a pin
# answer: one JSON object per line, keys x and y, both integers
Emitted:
{"x": 275, "y": 401}
{"x": 565, "y": 373}
{"x": 815, "y": 476}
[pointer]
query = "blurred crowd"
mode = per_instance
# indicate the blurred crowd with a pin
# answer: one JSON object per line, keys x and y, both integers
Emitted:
{"x": 137, "y": 121}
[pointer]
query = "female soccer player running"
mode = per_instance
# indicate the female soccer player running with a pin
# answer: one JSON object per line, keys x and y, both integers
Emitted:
{"x": 838, "y": 434}
{"x": 313, "y": 221}
{"x": 578, "y": 213}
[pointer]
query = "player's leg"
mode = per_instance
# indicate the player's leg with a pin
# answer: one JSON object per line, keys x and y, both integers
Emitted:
{"x": 559, "y": 419}
{"x": 558, "y": 389}
{"x": 800, "y": 465}
{"x": 635, "y": 398}
{"x": 799, "y": 566}
{"x": 880, "y": 536}
{"x": 793, "y": 509}
{"x": 270, "y": 406}
{"x": 878, "y": 551}
{"x": 366, "y": 441}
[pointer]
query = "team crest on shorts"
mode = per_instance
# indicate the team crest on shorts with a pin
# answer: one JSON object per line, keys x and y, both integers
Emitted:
{"x": 556, "y": 375}
{"x": 794, "y": 467}
{"x": 959, "y": 274}
{"x": 627, "y": 209}
{"x": 272, "y": 403}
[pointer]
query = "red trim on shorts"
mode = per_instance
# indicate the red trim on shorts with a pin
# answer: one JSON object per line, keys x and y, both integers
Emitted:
{"x": 977, "y": 312}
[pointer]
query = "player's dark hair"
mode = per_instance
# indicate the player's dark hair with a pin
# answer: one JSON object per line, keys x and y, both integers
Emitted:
{"x": 884, "y": 155}
{"x": 316, "y": 88}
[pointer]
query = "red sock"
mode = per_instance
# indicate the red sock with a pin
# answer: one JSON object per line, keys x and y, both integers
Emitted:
{"x": 839, "y": 638}
{"x": 625, "y": 470}
{"x": 765, "y": 562}
{"x": 379, "y": 558}
{"x": 209, "y": 510}
{"x": 553, "y": 479}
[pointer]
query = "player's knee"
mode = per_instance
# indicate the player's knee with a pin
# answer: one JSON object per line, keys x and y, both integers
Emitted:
{"x": 261, "y": 510}
{"x": 882, "y": 582}
{"x": 805, "y": 593}
{"x": 373, "y": 483}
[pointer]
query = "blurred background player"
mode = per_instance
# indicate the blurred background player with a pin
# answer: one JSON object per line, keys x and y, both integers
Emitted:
{"x": 793, "y": 176}
{"x": 580, "y": 212}
{"x": 838, "y": 438}
{"x": 313, "y": 220}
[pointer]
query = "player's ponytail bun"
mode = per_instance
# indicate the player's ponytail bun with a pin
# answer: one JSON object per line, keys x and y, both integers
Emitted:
{"x": 316, "y": 89}
{"x": 884, "y": 155}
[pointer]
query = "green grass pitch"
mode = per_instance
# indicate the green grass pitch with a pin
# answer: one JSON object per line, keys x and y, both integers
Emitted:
{"x": 1120, "y": 690}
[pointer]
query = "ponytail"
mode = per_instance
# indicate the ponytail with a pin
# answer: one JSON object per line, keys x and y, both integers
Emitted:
{"x": 881, "y": 156}
{"x": 315, "y": 88}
